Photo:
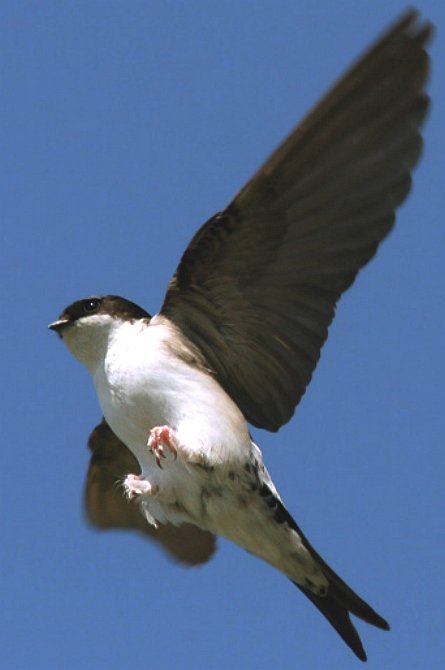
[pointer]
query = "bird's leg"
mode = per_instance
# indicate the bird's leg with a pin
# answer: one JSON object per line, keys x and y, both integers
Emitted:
{"x": 134, "y": 485}
{"x": 160, "y": 437}
{"x": 164, "y": 438}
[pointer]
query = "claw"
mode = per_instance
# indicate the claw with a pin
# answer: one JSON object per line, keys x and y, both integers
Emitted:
{"x": 134, "y": 485}
{"x": 161, "y": 436}
{"x": 159, "y": 453}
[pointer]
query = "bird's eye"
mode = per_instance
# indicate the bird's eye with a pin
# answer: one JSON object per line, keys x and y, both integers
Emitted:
{"x": 91, "y": 305}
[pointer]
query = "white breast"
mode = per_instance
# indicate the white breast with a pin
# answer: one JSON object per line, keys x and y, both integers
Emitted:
{"x": 143, "y": 384}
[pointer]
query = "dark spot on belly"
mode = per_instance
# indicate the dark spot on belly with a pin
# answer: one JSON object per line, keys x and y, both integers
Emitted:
{"x": 204, "y": 466}
{"x": 231, "y": 475}
{"x": 280, "y": 514}
{"x": 264, "y": 491}
{"x": 251, "y": 480}
{"x": 179, "y": 507}
{"x": 207, "y": 493}
{"x": 269, "y": 498}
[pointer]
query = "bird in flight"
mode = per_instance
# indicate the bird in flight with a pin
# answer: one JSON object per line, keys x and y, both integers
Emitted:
{"x": 241, "y": 328}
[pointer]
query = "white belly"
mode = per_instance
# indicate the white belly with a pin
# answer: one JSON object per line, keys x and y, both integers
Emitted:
{"x": 143, "y": 384}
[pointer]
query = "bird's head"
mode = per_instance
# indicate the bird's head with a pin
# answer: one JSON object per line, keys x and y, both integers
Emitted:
{"x": 87, "y": 325}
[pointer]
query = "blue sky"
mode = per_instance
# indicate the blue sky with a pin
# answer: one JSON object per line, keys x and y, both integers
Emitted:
{"x": 125, "y": 125}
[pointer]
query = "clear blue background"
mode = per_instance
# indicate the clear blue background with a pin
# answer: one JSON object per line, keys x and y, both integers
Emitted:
{"x": 124, "y": 126}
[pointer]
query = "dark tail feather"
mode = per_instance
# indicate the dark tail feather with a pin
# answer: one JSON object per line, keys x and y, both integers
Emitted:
{"x": 345, "y": 597}
{"x": 340, "y": 600}
{"x": 338, "y": 616}
{"x": 338, "y": 603}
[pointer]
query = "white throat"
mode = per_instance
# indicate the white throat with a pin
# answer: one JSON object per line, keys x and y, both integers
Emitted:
{"x": 89, "y": 338}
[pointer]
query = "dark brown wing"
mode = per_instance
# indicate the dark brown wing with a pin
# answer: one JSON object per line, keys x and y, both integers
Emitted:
{"x": 106, "y": 506}
{"x": 257, "y": 287}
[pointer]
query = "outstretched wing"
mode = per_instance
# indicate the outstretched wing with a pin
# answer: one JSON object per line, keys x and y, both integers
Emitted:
{"x": 257, "y": 287}
{"x": 106, "y": 506}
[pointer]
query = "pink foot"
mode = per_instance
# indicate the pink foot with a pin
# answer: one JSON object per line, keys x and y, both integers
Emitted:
{"x": 160, "y": 437}
{"x": 134, "y": 486}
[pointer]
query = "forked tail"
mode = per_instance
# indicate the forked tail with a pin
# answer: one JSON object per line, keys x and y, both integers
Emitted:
{"x": 340, "y": 600}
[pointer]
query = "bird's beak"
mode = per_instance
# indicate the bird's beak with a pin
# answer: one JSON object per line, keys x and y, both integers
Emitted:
{"x": 59, "y": 325}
